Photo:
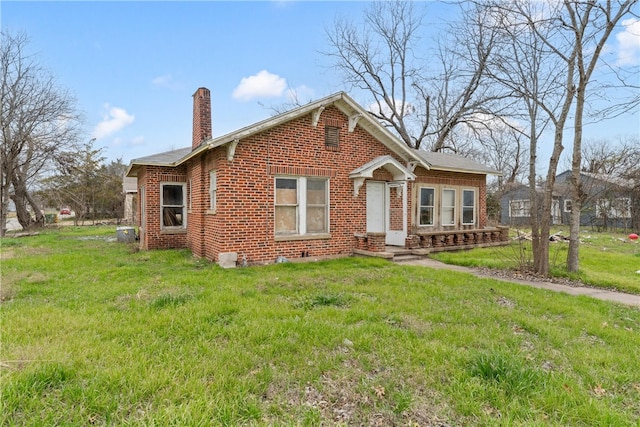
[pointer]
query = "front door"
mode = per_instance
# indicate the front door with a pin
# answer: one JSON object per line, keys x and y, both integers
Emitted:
{"x": 387, "y": 210}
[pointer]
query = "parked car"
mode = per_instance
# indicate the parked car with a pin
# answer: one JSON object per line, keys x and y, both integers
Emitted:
{"x": 65, "y": 211}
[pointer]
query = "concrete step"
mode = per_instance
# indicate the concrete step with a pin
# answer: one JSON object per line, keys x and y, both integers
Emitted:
{"x": 406, "y": 257}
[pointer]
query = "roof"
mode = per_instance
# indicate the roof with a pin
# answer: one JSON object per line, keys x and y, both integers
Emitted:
{"x": 455, "y": 163}
{"x": 168, "y": 158}
{"x": 357, "y": 116}
{"x": 615, "y": 180}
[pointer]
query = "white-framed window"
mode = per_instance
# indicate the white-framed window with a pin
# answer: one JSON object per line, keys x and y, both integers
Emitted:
{"x": 468, "y": 207}
{"x": 301, "y": 206}
{"x": 173, "y": 200}
{"x": 213, "y": 189}
{"x": 520, "y": 208}
{"x": 448, "y": 215}
{"x": 619, "y": 207}
{"x": 426, "y": 215}
{"x": 190, "y": 190}
{"x": 568, "y": 205}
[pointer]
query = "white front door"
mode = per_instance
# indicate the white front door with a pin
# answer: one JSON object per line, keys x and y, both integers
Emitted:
{"x": 387, "y": 210}
{"x": 376, "y": 218}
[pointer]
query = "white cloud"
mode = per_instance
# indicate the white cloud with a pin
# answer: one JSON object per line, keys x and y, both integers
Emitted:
{"x": 115, "y": 119}
{"x": 629, "y": 42}
{"x": 261, "y": 85}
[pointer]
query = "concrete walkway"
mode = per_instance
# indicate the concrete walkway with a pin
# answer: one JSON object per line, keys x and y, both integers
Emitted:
{"x": 602, "y": 294}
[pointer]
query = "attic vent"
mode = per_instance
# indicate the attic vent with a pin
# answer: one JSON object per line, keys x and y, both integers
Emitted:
{"x": 332, "y": 138}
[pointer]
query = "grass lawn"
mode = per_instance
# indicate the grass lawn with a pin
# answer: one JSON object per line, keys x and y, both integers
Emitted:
{"x": 607, "y": 260}
{"x": 96, "y": 333}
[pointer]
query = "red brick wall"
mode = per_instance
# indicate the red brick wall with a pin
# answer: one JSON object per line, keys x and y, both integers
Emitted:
{"x": 244, "y": 219}
{"x": 151, "y": 236}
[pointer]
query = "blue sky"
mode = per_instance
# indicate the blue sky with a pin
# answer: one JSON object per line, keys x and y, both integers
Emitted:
{"x": 133, "y": 66}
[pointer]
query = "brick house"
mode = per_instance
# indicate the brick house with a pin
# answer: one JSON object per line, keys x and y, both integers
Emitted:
{"x": 324, "y": 179}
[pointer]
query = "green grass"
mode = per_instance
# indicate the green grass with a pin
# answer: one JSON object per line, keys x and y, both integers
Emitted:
{"x": 607, "y": 260}
{"x": 97, "y": 333}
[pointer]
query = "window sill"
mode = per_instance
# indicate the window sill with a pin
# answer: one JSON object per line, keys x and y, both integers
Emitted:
{"x": 210, "y": 212}
{"x": 295, "y": 237}
{"x": 173, "y": 231}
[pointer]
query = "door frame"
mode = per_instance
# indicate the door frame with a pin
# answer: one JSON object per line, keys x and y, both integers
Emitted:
{"x": 392, "y": 237}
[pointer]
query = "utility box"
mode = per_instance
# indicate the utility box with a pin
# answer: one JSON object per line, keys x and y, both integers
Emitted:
{"x": 126, "y": 234}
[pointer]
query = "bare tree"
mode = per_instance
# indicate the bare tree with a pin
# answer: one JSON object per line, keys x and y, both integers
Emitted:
{"x": 523, "y": 65}
{"x": 387, "y": 59}
{"x": 588, "y": 25}
{"x": 550, "y": 59}
{"x": 38, "y": 123}
{"x": 379, "y": 59}
{"x": 500, "y": 144}
{"x": 617, "y": 157}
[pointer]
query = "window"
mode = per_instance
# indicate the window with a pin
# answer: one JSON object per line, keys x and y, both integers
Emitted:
{"x": 172, "y": 205}
{"x": 427, "y": 204}
{"x": 448, "y": 207}
{"x": 316, "y": 206}
{"x": 213, "y": 188}
{"x": 568, "y": 205}
{"x": 190, "y": 195}
{"x": 520, "y": 208}
{"x": 615, "y": 208}
{"x": 468, "y": 207}
{"x": 301, "y": 206}
{"x": 332, "y": 137}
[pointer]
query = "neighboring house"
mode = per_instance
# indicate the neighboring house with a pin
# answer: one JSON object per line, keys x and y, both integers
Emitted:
{"x": 324, "y": 179}
{"x": 607, "y": 202}
{"x": 130, "y": 191}
{"x": 515, "y": 207}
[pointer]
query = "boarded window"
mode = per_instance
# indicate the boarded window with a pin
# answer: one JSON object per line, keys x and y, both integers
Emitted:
{"x": 301, "y": 206}
{"x": 316, "y": 206}
{"x": 286, "y": 206}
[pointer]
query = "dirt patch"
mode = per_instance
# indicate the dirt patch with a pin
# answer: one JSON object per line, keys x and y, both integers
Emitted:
{"x": 524, "y": 275}
{"x": 352, "y": 395}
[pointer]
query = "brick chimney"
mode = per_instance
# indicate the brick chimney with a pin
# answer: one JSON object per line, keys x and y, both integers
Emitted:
{"x": 201, "y": 116}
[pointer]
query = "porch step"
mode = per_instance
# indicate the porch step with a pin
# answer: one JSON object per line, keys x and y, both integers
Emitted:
{"x": 406, "y": 257}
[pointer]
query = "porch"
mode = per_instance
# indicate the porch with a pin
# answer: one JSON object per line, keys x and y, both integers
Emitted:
{"x": 423, "y": 243}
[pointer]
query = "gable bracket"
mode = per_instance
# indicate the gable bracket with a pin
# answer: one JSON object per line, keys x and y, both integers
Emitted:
{"x": 353, "y": 121}
{"x": 231, "y": 149}
{"x": 315, "y": 116}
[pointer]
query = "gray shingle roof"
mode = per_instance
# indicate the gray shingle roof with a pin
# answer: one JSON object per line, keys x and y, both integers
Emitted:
{"x": 167, "y": 158}
{"x": 455, "y": 162}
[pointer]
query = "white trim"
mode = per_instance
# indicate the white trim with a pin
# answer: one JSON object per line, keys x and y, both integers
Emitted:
{"x": 442, "y": 207}
{"x": 184, "y": 206}
{"x": 433, "y": 206}
{"x": 394, "y": 167}
{"x": 301, "y": 207}
{"x": 462, "y": 206}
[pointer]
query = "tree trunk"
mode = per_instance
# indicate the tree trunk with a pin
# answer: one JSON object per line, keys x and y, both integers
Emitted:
{"x": 573, "y": 261}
